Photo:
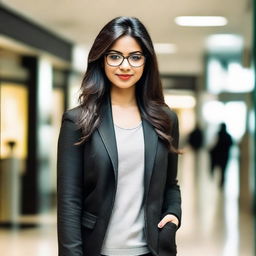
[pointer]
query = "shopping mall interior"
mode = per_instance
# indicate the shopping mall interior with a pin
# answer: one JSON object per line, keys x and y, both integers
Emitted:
{"x": 205, "y": 56}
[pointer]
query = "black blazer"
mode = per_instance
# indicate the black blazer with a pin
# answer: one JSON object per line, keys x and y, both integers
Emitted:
{"x": 86, "y": 186}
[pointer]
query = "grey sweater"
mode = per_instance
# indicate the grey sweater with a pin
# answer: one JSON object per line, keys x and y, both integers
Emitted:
{"x": 125, "y": 233}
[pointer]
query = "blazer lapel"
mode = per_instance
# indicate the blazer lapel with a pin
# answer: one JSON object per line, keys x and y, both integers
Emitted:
{"x": 107, "y": 133}
{"x": 150, "y": 140}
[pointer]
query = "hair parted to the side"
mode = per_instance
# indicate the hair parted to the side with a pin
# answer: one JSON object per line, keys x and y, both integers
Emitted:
{"x": 95, "y": 85}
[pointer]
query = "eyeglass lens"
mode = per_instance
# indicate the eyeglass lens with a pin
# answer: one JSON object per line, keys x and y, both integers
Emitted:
{"x": 135, "y": 60}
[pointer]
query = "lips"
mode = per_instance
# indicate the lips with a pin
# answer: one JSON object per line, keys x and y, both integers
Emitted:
{"x": 124, "y": 77}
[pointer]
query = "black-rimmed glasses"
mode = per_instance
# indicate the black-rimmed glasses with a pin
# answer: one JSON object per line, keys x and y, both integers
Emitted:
{"x": 116, "y": 59}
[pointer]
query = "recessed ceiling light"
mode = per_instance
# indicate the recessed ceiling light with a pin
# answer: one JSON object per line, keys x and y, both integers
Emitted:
{"x": 201, "y": 21}
{"x": 164, "y": 48}
{"x": 225, "y": 42}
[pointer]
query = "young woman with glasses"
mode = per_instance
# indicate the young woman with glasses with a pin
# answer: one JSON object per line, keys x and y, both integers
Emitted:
{"x": 117, "y": 153}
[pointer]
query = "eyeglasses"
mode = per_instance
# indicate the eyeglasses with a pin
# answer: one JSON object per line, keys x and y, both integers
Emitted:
{"x": 115, "y": 59}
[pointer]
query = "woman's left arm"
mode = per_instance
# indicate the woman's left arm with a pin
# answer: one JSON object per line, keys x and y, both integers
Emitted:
{"x": 172, "y": 196}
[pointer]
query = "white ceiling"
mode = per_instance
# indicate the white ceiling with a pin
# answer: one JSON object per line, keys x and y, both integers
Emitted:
{"x": 80, "y": 20}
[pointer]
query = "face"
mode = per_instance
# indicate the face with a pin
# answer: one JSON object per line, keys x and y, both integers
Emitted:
{"x": 124, "y": 76}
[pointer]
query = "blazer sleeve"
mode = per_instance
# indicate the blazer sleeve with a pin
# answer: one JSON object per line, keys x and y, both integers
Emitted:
{"x": 69, "y": 188}
{"x": 172, "y": 196}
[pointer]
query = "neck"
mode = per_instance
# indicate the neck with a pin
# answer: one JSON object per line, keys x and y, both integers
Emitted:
{"x": 123, "y": 97}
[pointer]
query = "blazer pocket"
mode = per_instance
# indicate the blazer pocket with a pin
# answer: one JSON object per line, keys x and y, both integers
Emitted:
{"x": 89, "y": 220}
{"x": 167, "y": 240}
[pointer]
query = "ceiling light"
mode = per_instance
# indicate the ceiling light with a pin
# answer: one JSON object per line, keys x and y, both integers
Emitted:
{"x": 201, "y": 21}
{"x": 225, "y": 42}
{"x": 162, "y": 48}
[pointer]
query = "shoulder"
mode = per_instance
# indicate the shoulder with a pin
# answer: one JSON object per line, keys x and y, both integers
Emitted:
{"x": 72, "y": 114}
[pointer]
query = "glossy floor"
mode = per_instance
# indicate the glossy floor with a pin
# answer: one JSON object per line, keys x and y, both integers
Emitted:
{"x": 212, "y": 223}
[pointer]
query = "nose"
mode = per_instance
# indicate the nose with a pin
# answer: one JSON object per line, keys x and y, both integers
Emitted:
{"x": 125, "y": 65}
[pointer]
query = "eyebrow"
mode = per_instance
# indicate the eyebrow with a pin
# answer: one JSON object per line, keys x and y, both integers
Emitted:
{"x": 129, "y": 52}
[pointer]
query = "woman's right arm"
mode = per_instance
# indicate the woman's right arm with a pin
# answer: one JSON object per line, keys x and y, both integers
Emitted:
{"x": 69, "y": 188}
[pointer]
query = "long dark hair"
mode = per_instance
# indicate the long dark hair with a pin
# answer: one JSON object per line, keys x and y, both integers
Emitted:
{"x": 95, "y": 85}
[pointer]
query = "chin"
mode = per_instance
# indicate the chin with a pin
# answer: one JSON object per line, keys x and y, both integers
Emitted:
{"x": 123, "y": 85}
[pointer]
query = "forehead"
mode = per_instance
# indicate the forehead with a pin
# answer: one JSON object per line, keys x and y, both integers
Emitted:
{"x": 125, "y": 45}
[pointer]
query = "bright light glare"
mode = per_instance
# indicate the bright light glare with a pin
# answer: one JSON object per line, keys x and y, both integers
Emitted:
{"x": 216, "y": 76}
{"x": 239, "y": 79}
{"x": 251, "y": 122}
{"x": 79, "y": 57}
{"x": 233, "y": 79}
{"x": 162, "y": 48}
{"x": 232, "y": 113}
{"x": 231, "y": 245}
{"x": 213, "y": 111}
{"x": 224, "y": 42}
{"x": 201, "y": 21}
{"x": 45, "y": 87}
{"x": 73, "y": 90}
{"x": 180, "y": 101}
{"x": 235, "y": 118}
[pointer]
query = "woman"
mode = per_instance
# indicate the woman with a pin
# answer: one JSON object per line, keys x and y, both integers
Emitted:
{"x": 117, "y": 153}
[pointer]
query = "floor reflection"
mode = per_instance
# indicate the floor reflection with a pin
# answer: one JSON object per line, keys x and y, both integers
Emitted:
{"x": 213, "y": 224}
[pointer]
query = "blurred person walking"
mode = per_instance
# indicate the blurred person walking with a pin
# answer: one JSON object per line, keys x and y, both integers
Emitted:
{"x": 219, "y": 153}
{"x": 196, "y": 141}
{"x": 117, "y": 153}
{"x": 195, "y": 138}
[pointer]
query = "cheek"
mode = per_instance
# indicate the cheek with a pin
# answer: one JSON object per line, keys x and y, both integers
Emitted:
{"x": 108, "y": 72}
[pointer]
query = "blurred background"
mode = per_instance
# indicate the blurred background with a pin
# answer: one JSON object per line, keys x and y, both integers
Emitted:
{"x": 205, "y": 54}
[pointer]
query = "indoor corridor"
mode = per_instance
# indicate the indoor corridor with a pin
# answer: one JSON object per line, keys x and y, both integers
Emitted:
{"x": 206, "y": 62}
{"x": 212, "y": 224}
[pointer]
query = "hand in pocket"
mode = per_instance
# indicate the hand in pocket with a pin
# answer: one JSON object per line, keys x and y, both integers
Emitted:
{"x": 167, "y": 240}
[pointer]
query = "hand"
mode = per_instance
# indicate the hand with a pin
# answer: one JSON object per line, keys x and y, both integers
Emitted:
{"x": 168, "y": 218}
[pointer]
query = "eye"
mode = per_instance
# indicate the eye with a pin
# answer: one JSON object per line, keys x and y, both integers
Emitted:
{"x": 136, "y": 57}
{"x": 114, "y": 56}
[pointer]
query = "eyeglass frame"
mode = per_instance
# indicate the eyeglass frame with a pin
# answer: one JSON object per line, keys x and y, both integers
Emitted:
{"x": 127, "y": 57}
